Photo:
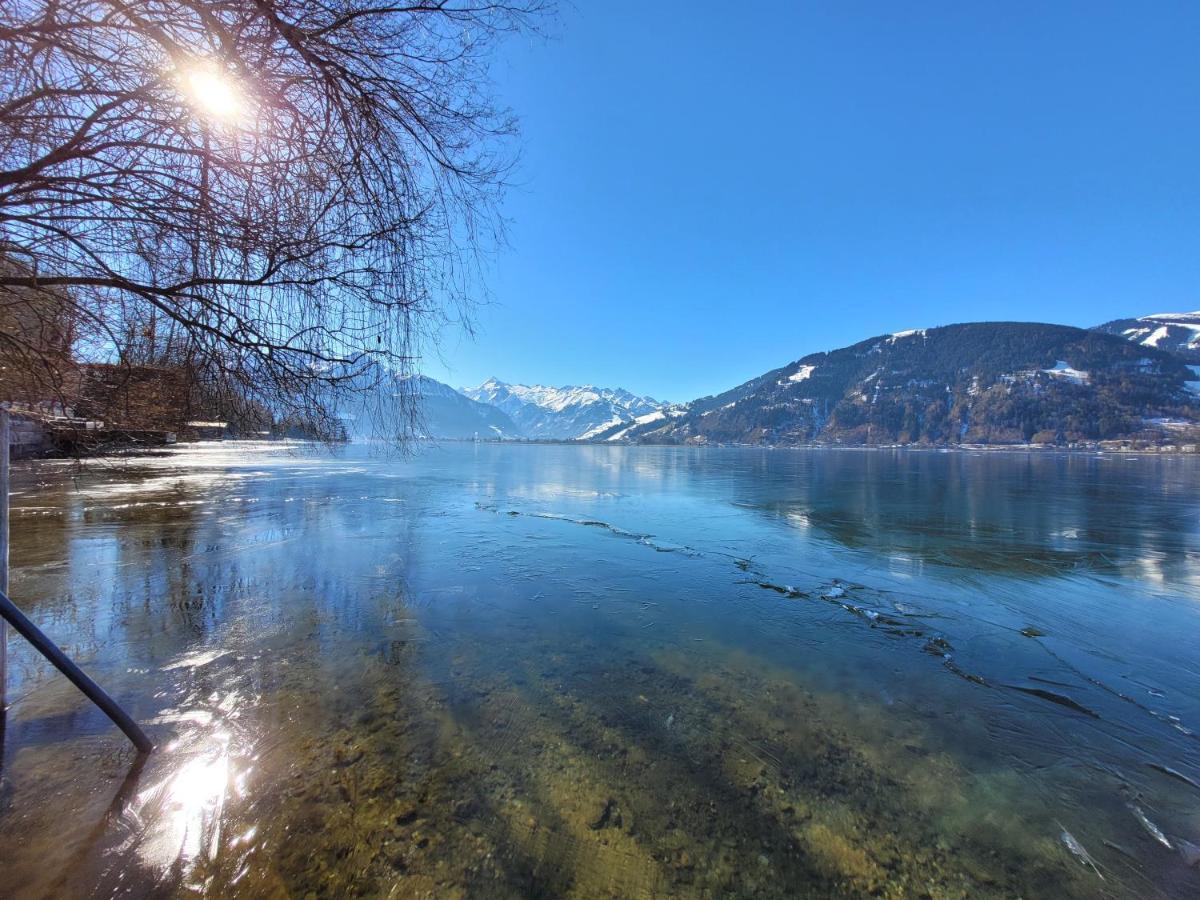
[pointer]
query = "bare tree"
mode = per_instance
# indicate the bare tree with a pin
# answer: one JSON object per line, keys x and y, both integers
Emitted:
{"x": 281, "y": 196}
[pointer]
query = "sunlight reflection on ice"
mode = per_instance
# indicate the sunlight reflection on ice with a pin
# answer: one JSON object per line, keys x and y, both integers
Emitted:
{"x": 195, "y": 660}
{"x": 182, "y": 814}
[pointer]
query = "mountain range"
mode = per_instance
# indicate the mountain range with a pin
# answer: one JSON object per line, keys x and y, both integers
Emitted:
{"x": 976, "y": 383}
{"x": 981, "y": 383}
{"x": 562, "y": 413}
{"x": 443, "y": 412}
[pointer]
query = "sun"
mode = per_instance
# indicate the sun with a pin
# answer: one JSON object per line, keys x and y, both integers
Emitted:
{"x": 212, "y": 92}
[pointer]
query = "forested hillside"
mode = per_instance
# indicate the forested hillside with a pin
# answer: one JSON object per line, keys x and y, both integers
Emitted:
{"x": 988, "y": 383}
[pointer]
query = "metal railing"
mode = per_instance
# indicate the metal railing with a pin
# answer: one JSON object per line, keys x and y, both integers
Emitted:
{"x": 21, "y": 624}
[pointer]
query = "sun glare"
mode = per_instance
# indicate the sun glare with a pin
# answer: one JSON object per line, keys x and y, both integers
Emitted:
{"x": 212, "y": 92}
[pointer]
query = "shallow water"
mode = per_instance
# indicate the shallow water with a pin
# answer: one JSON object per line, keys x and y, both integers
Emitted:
{"x": 527, "y": 671}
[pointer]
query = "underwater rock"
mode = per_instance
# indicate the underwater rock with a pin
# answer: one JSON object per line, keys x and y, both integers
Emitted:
{"x": 609, "y": 816}
{"x": 937, "y": 646}
{"x": 347, "y": 755}
{"x": 465, "y": 810}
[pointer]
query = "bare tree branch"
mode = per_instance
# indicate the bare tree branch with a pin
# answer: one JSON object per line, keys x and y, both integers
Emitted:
{"x": 280, "y": 197}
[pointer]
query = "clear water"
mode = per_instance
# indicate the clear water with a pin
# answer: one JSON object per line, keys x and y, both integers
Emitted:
{"x": 523, "y": 671}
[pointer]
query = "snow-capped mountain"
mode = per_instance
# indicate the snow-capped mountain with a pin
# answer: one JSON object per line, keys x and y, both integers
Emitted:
{"x": 443, "y": 412}
{"x": 563, "y": 413}
{"x": 1177, "y": 333}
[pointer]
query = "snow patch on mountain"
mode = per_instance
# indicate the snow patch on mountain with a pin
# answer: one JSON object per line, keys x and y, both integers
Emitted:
{"x": 1179, "y": 317}
{"x": 1177, "y": 333}
{"x": 1155, "y": 336}
{"x": 1065, "y": 370}
{"x": 601, "y": 428}
{"x": 659, "y": 415}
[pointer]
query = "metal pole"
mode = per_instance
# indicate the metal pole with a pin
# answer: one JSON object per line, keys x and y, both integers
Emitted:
{"x": 4, "y": 443}
{"x": 62, "y": 662}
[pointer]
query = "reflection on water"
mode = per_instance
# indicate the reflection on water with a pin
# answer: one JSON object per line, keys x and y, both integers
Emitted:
{"x": 186, "y": 811}
{"x": 586, "y": 671}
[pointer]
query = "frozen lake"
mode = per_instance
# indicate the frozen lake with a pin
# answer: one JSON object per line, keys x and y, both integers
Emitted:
{"x": 520, "y": 670}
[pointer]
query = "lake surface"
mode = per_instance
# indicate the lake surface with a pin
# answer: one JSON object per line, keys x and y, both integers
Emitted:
{"x": 522, "y": 671}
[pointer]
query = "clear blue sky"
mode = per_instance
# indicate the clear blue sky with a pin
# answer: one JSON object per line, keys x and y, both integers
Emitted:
{"x": 710, "y": 190}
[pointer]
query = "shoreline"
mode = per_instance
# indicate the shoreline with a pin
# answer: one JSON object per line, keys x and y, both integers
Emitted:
{"x": 133, "y": 452}
{"x": 1167, "y": 450}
